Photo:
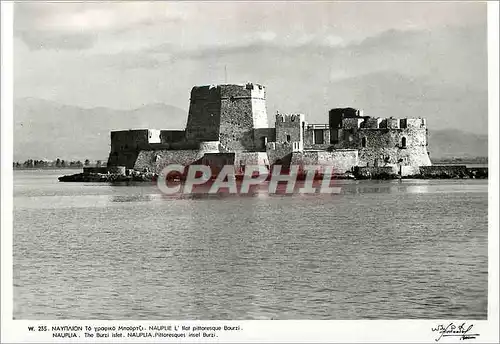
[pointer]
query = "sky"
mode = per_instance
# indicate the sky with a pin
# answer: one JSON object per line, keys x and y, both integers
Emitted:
{"x": 391, "y": 59}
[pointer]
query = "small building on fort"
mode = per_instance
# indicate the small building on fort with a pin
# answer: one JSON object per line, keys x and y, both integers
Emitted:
{"x": 228, "y": 125}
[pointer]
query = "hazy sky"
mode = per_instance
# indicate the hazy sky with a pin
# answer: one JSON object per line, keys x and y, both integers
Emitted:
{"x": 427, "y": 57}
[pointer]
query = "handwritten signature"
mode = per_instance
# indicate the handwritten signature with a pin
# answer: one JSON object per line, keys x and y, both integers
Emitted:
{"x": 462, "y": 331}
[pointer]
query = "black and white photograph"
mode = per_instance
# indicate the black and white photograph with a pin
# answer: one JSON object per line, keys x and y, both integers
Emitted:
{"x": 175, "y": 171}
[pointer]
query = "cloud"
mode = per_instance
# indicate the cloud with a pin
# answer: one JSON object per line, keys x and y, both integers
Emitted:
{"x": 56, "y": 41}
{"x": 298, "y": 50}
{"x": 55, "y": 25}
{"x": 250, "y": 43}
{"x": 126, "y": 61}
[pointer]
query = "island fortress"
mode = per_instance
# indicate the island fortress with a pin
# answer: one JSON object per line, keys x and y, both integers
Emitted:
{"x": 228, "y": 125}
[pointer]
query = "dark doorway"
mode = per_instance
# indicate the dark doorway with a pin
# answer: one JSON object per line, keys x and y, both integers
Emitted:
{"x": 263, "y": 142}
{"x": 318, "y": 137}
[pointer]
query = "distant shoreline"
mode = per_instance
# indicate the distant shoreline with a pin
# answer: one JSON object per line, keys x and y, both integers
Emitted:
{"x": 50, "y": 168}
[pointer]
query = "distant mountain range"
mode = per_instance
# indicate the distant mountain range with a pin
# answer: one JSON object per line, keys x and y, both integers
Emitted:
{"x": 49, "y": 130}
{"x": 45, "y": 129}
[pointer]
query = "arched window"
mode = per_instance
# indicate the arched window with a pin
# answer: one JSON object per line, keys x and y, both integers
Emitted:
{"x": 403, "y": 142}
{"x": 288, "y": 138}
{"x": 363, "y": 142}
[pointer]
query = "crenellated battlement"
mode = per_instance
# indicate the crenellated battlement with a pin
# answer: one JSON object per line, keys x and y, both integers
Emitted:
{"x": 290, "y": 118}
{"x": 382, "y": 123}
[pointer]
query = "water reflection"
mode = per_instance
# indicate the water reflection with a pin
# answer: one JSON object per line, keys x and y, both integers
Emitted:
{"x": 134, "y": 198}
{"x": 418, "y": 189}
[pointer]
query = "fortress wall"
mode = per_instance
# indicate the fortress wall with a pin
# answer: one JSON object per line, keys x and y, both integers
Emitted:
{"x": 94, "y": 169}
{"x": 217, "y": 161}
{"x": 252, "y": 158}
{"x": 342, "y": 160}
{"x": 156, "y": 160}
{"x": 409, "y": 170}
{"x": 171, "y": 136}
{"x": 304, "y": 158}
{"x": 277, "y": 152}
{"x": 433, "y": 171}
{"x": 393, "y": 123}
{"x": 236, "y": 123}
{"x": 128, "y": 139}
{"x": 260, "y": 119}
{"x": 415, "y": 123}
{"x": 311, "y": 137}
{"x": 117, "y": 170}
{"x": 123, "y": 158}
{"x": 289, "y": 125}
{"x": 372, "y": 123}
{"x": 259, "y": 134}
{"x": 352, "y": 123}
{"x": 229, "y": 114}
{"x": 239, "y": 160}
{"x": 376, "y": 172}
{"x": 235, "y": 90}
{"x": 183, "y": 145}
{"x": 204, "y": 114}
{"x": 308, "y": 137}
{"x": 209, "y": 147}
{"x": 386, "y": 146}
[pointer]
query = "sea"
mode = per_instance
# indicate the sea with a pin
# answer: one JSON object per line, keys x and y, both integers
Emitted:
{"x": 410, "y": 249}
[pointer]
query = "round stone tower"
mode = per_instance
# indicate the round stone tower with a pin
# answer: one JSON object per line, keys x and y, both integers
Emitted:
{"x": 228, "y": 114}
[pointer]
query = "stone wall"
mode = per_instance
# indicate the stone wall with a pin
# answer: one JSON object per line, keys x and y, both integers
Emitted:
{"x": 252, "y": 158}
{"x": 290, "y": 128}
{"x": 352, "y": 123}
{"x": 172, "y": 136}
{"x": 88, "y": 169}
{"x": 204, "y": 114}
{"x": 156, "y": 160}
{"x": 335, "y": 116}
{"x": 375, "y": 172}
{"x": 239, "y": 160}
{"x": 379, "y": 147}
{"x": 123, "y": 158}
{"x": 341, "y": 160}
{"x": 128, "y": 139}
{"x": 436, "y": 170}
{"x": 216, "y": 161}
{"x": 236, "y": 124}
{"x": 121, "y": 170}
{"x": 126, "y": 145}
{"x": 409, "y": 170}
{"x": 262, "y": 136}
{"x": 279, "y": 153}
{"x": 313, "y": 132}
{"x": 229, "y": 114}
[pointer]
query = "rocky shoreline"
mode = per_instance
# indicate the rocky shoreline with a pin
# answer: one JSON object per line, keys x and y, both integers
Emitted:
{"x": 357, "y": 174}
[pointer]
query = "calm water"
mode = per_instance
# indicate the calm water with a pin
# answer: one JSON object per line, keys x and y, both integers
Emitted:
{"x": 380, "y": 250}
